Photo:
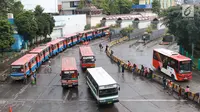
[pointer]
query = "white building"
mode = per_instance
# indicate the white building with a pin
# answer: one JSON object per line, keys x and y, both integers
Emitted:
{"x": 68, "y": 24}
{"x": 50, "y": 6}
{"x": 68, "y": 7}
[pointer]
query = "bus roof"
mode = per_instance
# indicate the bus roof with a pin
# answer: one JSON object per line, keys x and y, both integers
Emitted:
{"x": 39, "y": 49}
{"x": 68, "y": 63}
{"x": 55, "y": 41}
{"x": 86, "y": 51}
{"x": 24, "y": 59}
{"x": 101, "y": 76}
{"x": 172, "y": 54}
{"x": 70, "y": 35}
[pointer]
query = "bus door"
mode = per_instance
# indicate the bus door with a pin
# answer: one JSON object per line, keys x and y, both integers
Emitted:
{"x": 33, "y": 64}
{"x": 69, "y": 78}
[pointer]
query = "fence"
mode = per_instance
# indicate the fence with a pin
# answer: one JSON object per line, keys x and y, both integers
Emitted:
{"x": 191, "y": 95}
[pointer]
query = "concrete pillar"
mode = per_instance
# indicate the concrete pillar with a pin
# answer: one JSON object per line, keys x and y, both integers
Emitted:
{"x": 154, "y": 24}
{"x": 119, "y": 21}
{"x": 135, "y": 24}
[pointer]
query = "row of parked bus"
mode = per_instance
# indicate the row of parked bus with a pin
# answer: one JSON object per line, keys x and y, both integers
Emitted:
{"x": 29, "y": 63}
{"x": 103, "y": 87}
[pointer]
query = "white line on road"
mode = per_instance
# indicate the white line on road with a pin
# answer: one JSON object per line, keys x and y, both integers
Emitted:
{"x": 66, "y": 96}
{"x": 152, "y": 100}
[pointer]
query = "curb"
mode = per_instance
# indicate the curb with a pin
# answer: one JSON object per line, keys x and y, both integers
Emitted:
{"x": 191, "y": 95}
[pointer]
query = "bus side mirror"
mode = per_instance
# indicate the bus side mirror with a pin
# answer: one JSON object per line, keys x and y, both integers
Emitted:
{"x": 78, "y": 74}
{"x": 118, "y": 87}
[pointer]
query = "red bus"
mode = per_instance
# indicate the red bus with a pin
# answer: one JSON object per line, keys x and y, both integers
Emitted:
{"x": 87, "y": 58}
{"x": 172, "y": 64}
{"x": 69, "y": 73}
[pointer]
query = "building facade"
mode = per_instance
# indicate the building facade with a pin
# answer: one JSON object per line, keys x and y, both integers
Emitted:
{"x": 164, "y": 3}
{"x": 67, "y": 7}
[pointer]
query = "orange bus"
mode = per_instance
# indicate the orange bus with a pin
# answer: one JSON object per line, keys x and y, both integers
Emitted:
{"x": 87, "y": 58}
{"x": 69, "y": 73}
{"x": 172, "y": 64}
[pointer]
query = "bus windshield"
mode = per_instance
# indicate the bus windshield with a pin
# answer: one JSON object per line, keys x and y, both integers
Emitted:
{"x": 185, "y": 66}
{"x": 67, "y": 75}
{"x": 17, "y": 69}
{"x": 108, "y": 92}
{"x": 88, "y": 59}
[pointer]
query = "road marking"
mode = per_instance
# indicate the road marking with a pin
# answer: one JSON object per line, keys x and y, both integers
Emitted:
{"x": 66, "y": 96}
{"x": 151, "y": 100}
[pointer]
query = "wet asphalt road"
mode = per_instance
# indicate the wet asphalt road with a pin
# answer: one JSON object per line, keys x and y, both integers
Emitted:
{"x": 136, "y": 95}
{"x": 140, "y": 54}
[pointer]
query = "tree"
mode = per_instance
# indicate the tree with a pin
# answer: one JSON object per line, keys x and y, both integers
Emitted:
{"x": 115, "y": 6}
{"x": 81, "y": 4}
{"x": 136, "y": 2}
{"x": 49, "y": 24}
{"x": 156, "y": 6}
{"x": 5, "y": 6}
{"x": 185, "y": 30}
{"x": 6, "y": 35}
{"x": 125, "y": 6}
{"x": 16, "y": 8}
{"x": 40, "y": 21}
{"x": 27, "y": 25}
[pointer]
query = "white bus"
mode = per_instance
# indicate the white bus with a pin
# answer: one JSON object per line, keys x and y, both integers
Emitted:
{"x": 102, "y": 85}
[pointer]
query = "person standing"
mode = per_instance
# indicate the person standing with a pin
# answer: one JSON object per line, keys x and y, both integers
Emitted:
{"x": 187, "y": 90}
{"x": 164, "y": 82}
{"x": 123, "y": 69}
{"x": 118, "y": 63}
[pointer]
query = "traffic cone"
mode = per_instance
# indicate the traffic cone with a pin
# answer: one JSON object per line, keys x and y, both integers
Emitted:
{"x": 10, "y": 109}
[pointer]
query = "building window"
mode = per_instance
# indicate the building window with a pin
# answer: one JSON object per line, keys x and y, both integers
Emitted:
{"x": 74, "y": 4}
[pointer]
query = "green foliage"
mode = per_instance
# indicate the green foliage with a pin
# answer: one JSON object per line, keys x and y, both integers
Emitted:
{"x": 40, "y": 20}
{"x": 185, "y": 30}
{"x": 6, "y": 35}
{"x": 136, "y": 2}
{"x": 98, "y": 25}
{"x": 81, "y": 4}
{"x": 27, "y": 25}
{"x": 156, "y": 6}
{"x": 125, "y": 6}
{"x": 127, "y": 30}
{"x": 114, "y": 26}
{"x": 114, "y": 6}
{"x": 87, "y": 27}
{"x": 17, "y": 8}
{"x": 5, "y": 6}
{"x": 149, "y": 29}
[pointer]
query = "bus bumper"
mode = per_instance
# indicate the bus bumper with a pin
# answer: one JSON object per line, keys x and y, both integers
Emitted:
{"x": 108, "y": 101}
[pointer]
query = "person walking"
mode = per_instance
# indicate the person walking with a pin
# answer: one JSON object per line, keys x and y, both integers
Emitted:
{"x": 123, "y": 69}
{"x": 164, "y": 82}
{"x": 106, "y": 48}
{"x": 100, "y": 46}
{"x": 49, "y": 66}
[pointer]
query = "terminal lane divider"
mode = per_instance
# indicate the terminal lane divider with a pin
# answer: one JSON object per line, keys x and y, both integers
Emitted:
{"x": 157, "y": 78}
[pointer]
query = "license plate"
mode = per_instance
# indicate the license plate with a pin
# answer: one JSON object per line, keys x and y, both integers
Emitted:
{"x": 69, "y": 85}
{"x": 109, "y": 102}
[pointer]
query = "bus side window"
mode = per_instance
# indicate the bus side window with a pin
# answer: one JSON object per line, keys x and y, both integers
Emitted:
{"x": 154, "y": 55}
